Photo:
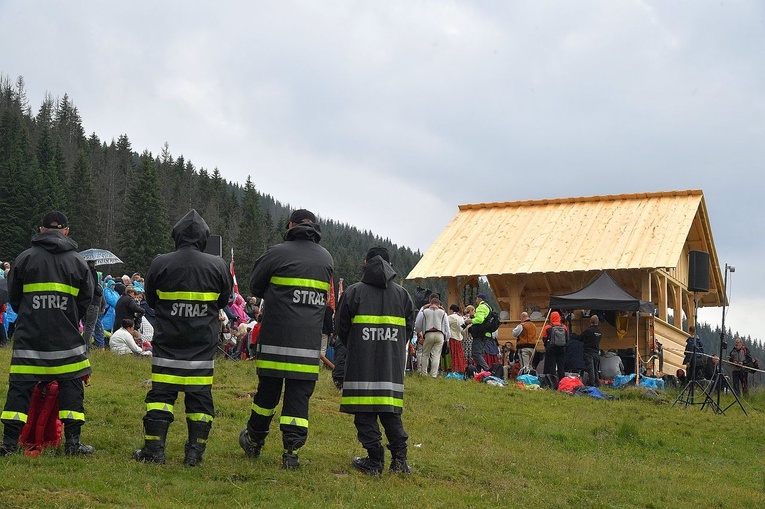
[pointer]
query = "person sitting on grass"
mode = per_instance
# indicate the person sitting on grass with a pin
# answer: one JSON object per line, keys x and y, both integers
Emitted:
{"x": 123, "y": 341}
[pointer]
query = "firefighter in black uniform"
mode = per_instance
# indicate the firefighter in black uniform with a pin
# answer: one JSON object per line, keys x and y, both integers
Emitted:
{"x": 374, "y": 320}
{"x": 186, "y": 288}
{"x": 293, "y": 279}
{"x": 50, "y": 287}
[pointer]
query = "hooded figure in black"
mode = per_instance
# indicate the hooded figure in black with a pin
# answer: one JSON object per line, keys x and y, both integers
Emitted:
{"x": 374, "y": 320}
{"x": 50, "y": 287}
{"x": 293, "y": 279}
{"x": 186, "y": 289}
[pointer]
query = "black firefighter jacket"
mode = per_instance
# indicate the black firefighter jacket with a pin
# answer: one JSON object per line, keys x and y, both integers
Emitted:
{"x": 50, "y": 287}
{"x": 293, "y": 280}
{"x": 186, "y": 288}
{"x": 374, "y": 320}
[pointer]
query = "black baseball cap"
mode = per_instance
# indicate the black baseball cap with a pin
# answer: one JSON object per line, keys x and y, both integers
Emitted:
{"x": 302, "y": 216}
{"x": 55, "y": 220}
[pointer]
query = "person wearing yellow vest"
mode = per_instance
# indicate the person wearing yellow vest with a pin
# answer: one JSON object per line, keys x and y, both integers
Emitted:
{"x": 186, "y": 289}
{"x": 50, "y": 287}
{"x": 480, "y": 336}
{"x": 293, "y": 279}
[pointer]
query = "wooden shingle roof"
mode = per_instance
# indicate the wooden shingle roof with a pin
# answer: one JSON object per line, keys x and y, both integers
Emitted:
{"x": 613, "y": 232}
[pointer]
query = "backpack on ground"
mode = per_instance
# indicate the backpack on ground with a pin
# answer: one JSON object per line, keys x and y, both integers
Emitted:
{"x": 548, "y": 381}
{"x": 558, "y": 335}
{"x": 497, "y": 370}
{"x": 43, "y": 427}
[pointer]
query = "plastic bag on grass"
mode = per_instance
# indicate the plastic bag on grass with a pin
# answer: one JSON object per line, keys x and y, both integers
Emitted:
{"x": 624, "y": 380}
{"x": 528, "y": 380}
{"x": 651, "y": 383}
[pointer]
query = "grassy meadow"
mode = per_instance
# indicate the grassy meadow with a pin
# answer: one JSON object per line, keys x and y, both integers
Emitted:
{"x": 471, "y": 445}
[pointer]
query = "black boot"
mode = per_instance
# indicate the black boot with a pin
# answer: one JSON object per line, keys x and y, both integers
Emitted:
{"x": 290, "y": 460}
{"x": 398, "y": 464}
{"x": 155, "y": 434}
{"x": 373, "y": 464}
{"x": 197, "y": 442}
{"x": 251, "y": 447}
{"x": 73, "y": 446}
{"x": 9, "y": 446}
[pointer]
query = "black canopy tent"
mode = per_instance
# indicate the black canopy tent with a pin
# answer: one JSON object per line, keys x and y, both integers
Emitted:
{"x": 604, "y": 294}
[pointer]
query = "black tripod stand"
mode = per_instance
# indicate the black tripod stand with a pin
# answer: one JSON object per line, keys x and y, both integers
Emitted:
{"x": 688, "y": 395}
{"x": 719, "y": 379}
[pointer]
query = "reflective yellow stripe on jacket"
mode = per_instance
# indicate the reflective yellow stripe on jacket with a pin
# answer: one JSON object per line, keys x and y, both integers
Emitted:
{"x": 50, "y": 287}
{"x": 49, "y": 370}
{"x": 195, "y": 296}
{"x": 372, "y": 401}
{"x": 380, "y": 320}
{"x": 297, "y": 281}
{"x": 181, "y": 380}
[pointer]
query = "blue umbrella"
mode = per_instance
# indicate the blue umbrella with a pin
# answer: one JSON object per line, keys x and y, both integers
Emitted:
{"x": 100, "y": 256}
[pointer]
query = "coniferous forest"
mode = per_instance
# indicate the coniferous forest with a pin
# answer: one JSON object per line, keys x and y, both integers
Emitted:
{"x": 127, "y": 202}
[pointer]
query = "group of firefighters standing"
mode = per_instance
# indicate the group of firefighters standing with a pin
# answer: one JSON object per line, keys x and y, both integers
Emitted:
{"x": 51, "y": 286}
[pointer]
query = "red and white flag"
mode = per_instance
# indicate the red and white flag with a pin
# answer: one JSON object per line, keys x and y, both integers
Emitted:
{"x": 233, "y": 272}
{"x": 331, "y": 297}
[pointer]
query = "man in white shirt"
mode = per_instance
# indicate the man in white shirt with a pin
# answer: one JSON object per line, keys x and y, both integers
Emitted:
{"x": 432, "y": 325}
{"x": 122, "y": 341}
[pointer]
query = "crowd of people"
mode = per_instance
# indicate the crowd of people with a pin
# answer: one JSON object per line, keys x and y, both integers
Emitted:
{"x": 451, "y": 342}
{"x": 185, "y": 312}
{"x": 446, "y": 342}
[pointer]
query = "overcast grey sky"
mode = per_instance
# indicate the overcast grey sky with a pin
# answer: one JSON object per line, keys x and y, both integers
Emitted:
{"x": 371, "y": 113}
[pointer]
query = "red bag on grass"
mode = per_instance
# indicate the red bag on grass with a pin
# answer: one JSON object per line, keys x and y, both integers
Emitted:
{"x": 43, "y": 427}
{"x": 569, "y": 384}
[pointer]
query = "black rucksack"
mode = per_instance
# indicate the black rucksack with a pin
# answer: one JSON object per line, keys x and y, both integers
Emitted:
{"x": 548, "y": 381}
{"x": 558, "y": 335}
{"x": 497, "y": 370}
{"x": 491, "y": 323}
{"x": 421, "y": 297}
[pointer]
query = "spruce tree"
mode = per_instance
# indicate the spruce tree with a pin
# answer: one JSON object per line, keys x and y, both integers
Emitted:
{"x": 250, "y": 243}
{"x": 144, "y": 230}
{"x": 19, "y": 176}
{"x": 83, "y": 209}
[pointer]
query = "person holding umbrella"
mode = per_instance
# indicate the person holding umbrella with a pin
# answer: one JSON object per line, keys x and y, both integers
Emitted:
{"x": 93, "y": 327}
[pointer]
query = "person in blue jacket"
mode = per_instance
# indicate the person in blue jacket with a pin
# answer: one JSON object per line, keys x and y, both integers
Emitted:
{"x": 111, "y": 297}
